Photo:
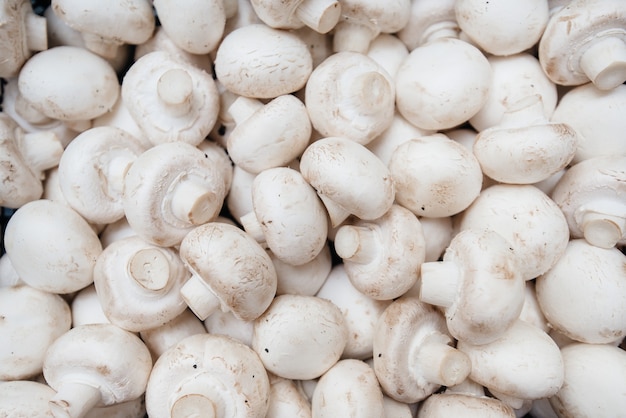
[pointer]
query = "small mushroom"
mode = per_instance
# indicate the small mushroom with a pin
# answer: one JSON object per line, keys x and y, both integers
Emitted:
{"x": 350, "y": 95}
{"x": 95, "y": 365}
{"x": 293, "y": 346}
{"x": 583, "y": 295}
{"x": 210, "y": 376}
{"x": 162, "y": 338}
{"x": 230, "y": 271}
{"x": 288, "y": 216}
{"x": 92, "y": 169}
{"x": 170, "y": 189}
{"x": 592, "y": 196}
{"x": 319, "y": 15}
{"x": 435, "y": 176}
{"x": 262, "y": 62}
{"x": 349, "y": 388}
{"x": 170, "y": 100}
{"x": 270, "y": 135}
{"x": 138, "y": 284}
{"x": 69, "y": 83}
{"x": 412, "y": 351}
{"x": 382, "y": 257}
{"x": 104, "y": 28}
{"x": 522, "y": 364}
{"x": 25, "y": 398}
{"x": 31, "y": 320}
{"x": 584, "y": 42}
{"x": 23, "y": 159}
{"x": 52, "y": 247}
{"x": 348, "y": 178}
{"x": 23, "y": 33}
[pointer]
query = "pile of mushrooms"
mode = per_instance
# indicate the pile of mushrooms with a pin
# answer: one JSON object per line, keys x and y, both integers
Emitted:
{"x": 320, "y": 208}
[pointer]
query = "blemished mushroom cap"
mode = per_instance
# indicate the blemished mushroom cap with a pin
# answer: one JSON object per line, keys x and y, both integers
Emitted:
{"x": 211, "y": 369}
{"x": 69, "y": 84}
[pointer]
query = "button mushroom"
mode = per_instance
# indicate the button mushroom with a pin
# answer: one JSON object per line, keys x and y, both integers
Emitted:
{"x": 320, "y": 15}
{"x": 286, "y": 400}
{"x": 25, "y": 398}
{"x": 457, "y": 404}
{"x": 429, "y": 20}
{"x": 162, "y": 338}
{"x": 305, "y": 279}
{"x": 230, "y": 271}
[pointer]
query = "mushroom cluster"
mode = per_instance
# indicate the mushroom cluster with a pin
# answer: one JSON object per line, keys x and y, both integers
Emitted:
{"x": 313, "y": 208}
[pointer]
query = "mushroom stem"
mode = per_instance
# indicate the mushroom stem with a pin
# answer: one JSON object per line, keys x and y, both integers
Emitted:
{"x": 36, "y": 36}
{"x": 192, "y": 202}
{"x": 252, "y": 226}
{"x": 74, "y": 400}
{"x": 603, "y": 230}
{"x": 604, "y": 62}
{"x": 193, "y": 406}
{"x": 349, "y": 36}
{"x": 42, "y": 150}
{"x": 199, "y": 297}
{"x": 366, "y": 92}
{"x": 524, "y": 112}
{"x": 357, "y": 243}
{"x": 319, "y": 15}
{"x": 243, "y": 108}
{"x": 439, "y": 30}
{"x": 116, "y": 171}
{"x": 175, "y": 90}
{"x": 440, "y": 282}
{"x": 336, "y": 213}
{"x": 512, "y": 401}
{"x": 440, "y": 363}
{"x": 149, "y": 268}
{"x": 104, "y": 47}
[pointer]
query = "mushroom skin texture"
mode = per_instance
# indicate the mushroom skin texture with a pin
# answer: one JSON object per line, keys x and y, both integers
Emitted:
{"x": 208, "y": 375}
{"x": 443, "y": 405}
{"x": 595, "y": 370}
{"x": 348, "y": 178}
{"x": 194, "y": 26}
{"x": 32, "y": 241}
{"x": 583, "y": 295}
{"x": 286, "y": 400}
{"x": 412, "y": 351}
{"x": 479, "y": 285}
{"x": 69, "y": 83}
{"x": 169, "y": 99}
{"x": 382, "y": 257}
{"x": 46, "y": 316}
{"x": 496, "y": 26}
{"x": 288, "y": 216}
{"x": 25, "y": 398}
{"x": 442, "y": 84}
{"x": 261, "y": 62}
{"x": 138, "y": 284}
{"x": 170, "y": 189}
{"x": 95, "y": 365}
{"x": 350, "y": 95}
{"x": 105, "y": 28}
{"x": 230, "y": 271}
{"x": 23, "y": 33}
{"x": 523, "y": 363}
{"x": 293, "y": 346}
{"x": 592, "y": 196}
{"x": 349, "y": 388}
{"x": 92, "y": 169}
{"x": 319, "y": 15}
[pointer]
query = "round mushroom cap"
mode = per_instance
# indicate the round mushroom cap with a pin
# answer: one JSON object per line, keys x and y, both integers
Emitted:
{"x": 25, "y": 398}
{"x": 69, "y": 83}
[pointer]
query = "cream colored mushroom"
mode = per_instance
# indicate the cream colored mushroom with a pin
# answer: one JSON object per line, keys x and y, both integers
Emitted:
{"x": 455, "y": 404}
{"x": 25, "y": 398}
{"x": 320, "y": 15}
{"x": 305, "y": 279}
{"x": 162, "y": 338}
{"x": 87, "y": 309}
{"x": 286, "y": 401}
{"x": 226, "y": 323}
{"x": 429, "y": 20}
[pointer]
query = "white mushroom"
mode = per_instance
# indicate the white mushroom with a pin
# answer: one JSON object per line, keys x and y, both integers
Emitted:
{"x": 389, "y": 52}
{"x": 25, "y": 398}
{"x": 170, "y": 189}
{"x": 87, "y": 309}
{"x": 226, "y": 323}
{"x": 350, "y": 95}
{"x": 104, "y": 28}
{"x": 320, "y": 15}
{"x": 162, "y": 338}
{"x": 170, "y": 100}
{"x": 429, "y": 20}
{"x": 52, "y": 247}
{"x": 412, "y": 351}
{"x": 291, "y": 344}
{"x": 230, "y": 271}
{"x": 456, "y": 404}
{"x": 95, "y": 365}
{"x": 305, "y": 279}
{"x": 592, "y": 196}
{"x": 210, "y": 376}
{"x": 31, "y": 320}
{"x": 286, "y": 400}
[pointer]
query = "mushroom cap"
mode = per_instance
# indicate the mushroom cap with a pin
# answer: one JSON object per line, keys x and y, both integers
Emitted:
{"x": 305, "y": 279}
{"x": 262, "y": 62}
{"x": 25, "y": 398}
{"x": 458, "y": 404}
{"x": 156, "y": 109}
{"x": 388, "y": 17}
{"x": 300, "y": 337}
{"x": 46, "y": 316}
{"x": 291, "y": 215}
{"x": 235, "y": 267}
{"x": 69, "y": 83}
{"x": 52, "y": 247}
{"x": 169, "y": 189}
{"x": 91, "y": 172}
{"x": 287, "y": 400}
{"x": 161, "y": 338}
{"x": 103, "y": 356}
{"x": 350, "y": 95}
{"x": 226, "y": 371}
{"x": 138, "y": 284}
